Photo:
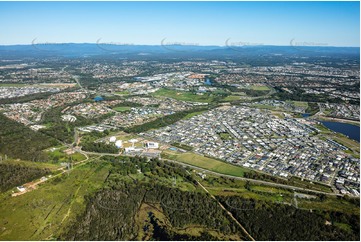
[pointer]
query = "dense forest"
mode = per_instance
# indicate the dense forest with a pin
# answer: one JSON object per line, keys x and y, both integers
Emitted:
{"x": 111, "y": 213}
{"x": 100, "y": 147}
{"x": 12, "y": 175}
{"x": 272, "y": 221}
{"x": 26, "y": 98}
{"x": 19, "y": 141}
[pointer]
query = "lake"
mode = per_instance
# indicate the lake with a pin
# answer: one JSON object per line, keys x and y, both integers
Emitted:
{"x": 352, "y": 131}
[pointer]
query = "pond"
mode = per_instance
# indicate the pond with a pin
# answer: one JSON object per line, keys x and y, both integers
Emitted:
{"x": 208, "y": 82}
{"x": 352, "y": 131}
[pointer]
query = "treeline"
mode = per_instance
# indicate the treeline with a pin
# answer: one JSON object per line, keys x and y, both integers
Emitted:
{"x": 19, "y": 141}
{"x": 26, "y": 98}
{"x": 264, "y": 177}
{"x": 12, "y": 175}
{"x": 272, "y": 221}
{"x": 100, "y": 147}
{"x": 162, "y": 121}
{"x": 182, "y": 146}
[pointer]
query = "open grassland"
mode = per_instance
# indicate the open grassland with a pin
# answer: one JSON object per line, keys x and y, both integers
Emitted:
{"x": 231, "y": 98}
{"x": 40, "y": 165}
{"x": 332, "y": 119}
{"x": 13, "y": 85}
{"x": 349, "y": 143}
{"x": 126, "y": 92}
{"x": 43, "y": 213}
{"x": 265, "y": 106}
{"x": 299, "y": 104}
{"x": 59, "y": 156}
{"x": 205, "y": 163}
{"x": 331, "y": 203}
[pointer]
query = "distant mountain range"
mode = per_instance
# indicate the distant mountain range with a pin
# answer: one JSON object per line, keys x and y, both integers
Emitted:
{"x": 103, "y": 49}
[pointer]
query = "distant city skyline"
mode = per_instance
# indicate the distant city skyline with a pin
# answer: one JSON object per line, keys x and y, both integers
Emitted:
{"x": 184, "y": 23}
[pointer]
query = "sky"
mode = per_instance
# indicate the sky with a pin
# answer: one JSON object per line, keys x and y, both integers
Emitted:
{"x": 197, "y": 23}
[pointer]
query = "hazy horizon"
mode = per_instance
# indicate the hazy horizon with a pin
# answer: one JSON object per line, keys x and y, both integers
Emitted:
{"x": 323, "y": 24}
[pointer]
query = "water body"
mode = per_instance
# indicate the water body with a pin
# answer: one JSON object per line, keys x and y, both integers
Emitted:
{"x": 305, "y": 115}
{"x": 352, "y": 131}
{"x": 208, "y": 82}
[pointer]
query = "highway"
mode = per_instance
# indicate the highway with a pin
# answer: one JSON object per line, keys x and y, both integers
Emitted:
{"x": 273, "y": 184}
{"x": 253, "y": 180}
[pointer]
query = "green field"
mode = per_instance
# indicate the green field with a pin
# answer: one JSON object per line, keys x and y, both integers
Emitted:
{"x": 183, "y": 96}
{"x": 259, "y": 88}
{"x": 205, "y": 162}
{"x": 231, "y": 98}
{"x": 13, "y": 85}
{"x": 300, "y": 104}
{"x": 226, "y": 187}
{"x": 39, "y": 165}
{"x": 59, "y": 156}
{"x": 126, "y": 92}
{"x": 43, "y": 213}
{"x": 122, "y": 109}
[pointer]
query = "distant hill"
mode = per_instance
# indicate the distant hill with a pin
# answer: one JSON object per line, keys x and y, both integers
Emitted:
{"x": 144, "y": 51}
